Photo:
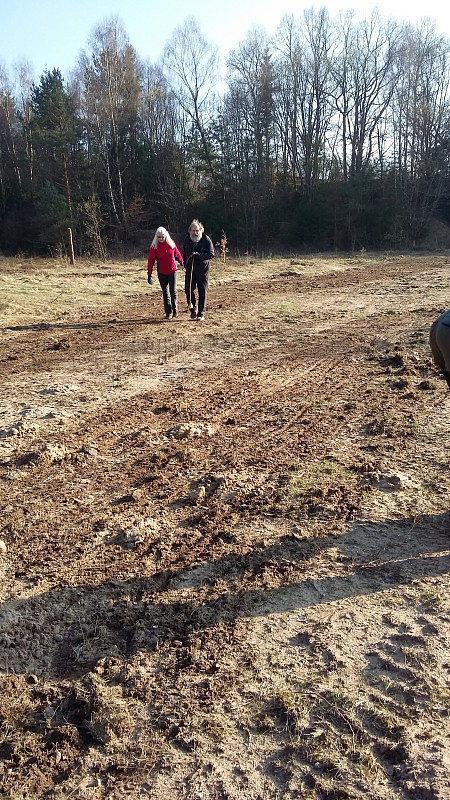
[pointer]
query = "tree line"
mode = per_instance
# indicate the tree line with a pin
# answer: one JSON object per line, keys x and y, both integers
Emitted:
{"x": 331, "y": 133}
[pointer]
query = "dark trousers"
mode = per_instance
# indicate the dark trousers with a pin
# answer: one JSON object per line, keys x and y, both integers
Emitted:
{"x": 440, "y": 348}
{"x": 168, "y": 285}
{"x": 197, "y": 278}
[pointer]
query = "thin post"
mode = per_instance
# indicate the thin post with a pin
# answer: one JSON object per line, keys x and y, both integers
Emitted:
{"x": 71, "y": 254}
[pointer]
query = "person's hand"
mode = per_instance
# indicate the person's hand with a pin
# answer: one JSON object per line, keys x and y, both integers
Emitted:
{"x": 150, "y": 279}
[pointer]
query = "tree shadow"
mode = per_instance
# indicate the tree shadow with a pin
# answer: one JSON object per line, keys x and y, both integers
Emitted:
{"x": 366, "y": 544}
{"x": 63, "y": 632}
{"x": 67, "y": 326}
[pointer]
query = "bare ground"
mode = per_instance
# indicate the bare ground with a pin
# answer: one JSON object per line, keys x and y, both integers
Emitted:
{"x": 224, "y": 548}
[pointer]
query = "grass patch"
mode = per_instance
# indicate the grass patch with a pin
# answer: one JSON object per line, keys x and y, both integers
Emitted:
{"x": 433, "y": 599}
{"x": 319, "y": 477}
{"x": 46, "y": 291}
{"x": 325, "y": 732}
{"x": 16, "y": 704}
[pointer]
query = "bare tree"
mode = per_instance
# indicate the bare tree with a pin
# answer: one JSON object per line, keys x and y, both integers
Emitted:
{"x": 166, "y": 149}
{"x": 288, "y": 66}
{"x": 190, "y": 66}
{"x": 421, "y": 121}
{"x": 9, "y": 126}
{"x": 157, "y": 107}
{"x": 111, "y": 95}
{"x": 363, "y": 69}
{"x": 23, "y": 71}
{"x": 251, "y": 77}
{"x": 303, "y": 93}
{"x": 315, "y": 110}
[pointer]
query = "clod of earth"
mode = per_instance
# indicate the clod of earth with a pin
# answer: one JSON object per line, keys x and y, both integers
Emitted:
{"x": 190, "y": 430}
{"x": 428, "y": 386}
{"x": 55, "y": 452}
{"x": 389, "y": 483}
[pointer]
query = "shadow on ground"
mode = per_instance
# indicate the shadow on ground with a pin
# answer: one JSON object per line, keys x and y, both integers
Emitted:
{"x": 67, "y": 326}
{"x": 64, "y": 631}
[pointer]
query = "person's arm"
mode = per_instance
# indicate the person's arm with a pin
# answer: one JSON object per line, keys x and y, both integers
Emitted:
{"x": 211, "y": 248}
{"x": 207, "y": 249}
{"x": 178, "y": 256}
{"x": 150, "y": 262}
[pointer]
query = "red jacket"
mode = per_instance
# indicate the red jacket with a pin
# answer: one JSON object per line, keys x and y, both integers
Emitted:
{"x": 165, "y": 256}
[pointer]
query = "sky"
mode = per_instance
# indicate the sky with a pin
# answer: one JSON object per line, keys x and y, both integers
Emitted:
{"x": 51, "y": 33}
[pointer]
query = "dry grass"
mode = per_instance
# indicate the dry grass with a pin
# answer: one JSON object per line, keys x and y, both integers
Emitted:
{"x": 320, "y": 476}
{"x": 433, "y": 599}
{"x": 16, "y": 704}
{"x": 39, "y": 291}
{"x": 332, "y": 734}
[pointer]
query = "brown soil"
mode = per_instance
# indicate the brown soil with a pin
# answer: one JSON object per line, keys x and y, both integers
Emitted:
{"x": 225, "y": 547}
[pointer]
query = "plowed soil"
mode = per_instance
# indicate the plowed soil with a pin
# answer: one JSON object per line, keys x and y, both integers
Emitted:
{"x": 224, "y": 547}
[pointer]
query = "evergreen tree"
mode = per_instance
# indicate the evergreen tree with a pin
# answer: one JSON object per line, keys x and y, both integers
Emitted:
{"x": 54, "y": 133}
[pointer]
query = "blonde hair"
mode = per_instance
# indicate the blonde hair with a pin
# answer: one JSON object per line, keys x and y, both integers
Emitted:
{"x": 197, "y": 224}
{"x": 162, "y": 232}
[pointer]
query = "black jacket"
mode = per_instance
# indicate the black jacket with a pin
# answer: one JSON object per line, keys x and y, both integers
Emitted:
{"x": 202, "y": 252}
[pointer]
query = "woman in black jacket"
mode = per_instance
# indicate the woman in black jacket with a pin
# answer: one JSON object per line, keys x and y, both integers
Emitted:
{"x": 198, "y": 250}
{"x": 440, "y": 344}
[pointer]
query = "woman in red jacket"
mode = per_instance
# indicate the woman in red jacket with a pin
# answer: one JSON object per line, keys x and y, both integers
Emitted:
{"x": 164, "y": 251}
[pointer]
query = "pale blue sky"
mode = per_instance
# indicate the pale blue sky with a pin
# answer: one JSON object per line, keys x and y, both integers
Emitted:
{"x": 51, "y": 33}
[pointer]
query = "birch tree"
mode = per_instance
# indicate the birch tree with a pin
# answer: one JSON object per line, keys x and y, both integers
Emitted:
{"x": 110, "y": 101}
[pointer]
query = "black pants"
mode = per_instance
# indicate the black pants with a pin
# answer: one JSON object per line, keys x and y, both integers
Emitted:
{"x": 168, "y": 285}
{"x": 197, "y": 277}
{"x": 440, "y": 348}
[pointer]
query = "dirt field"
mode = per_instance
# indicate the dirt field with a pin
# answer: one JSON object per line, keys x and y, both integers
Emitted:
{"x": 224, "y": 547}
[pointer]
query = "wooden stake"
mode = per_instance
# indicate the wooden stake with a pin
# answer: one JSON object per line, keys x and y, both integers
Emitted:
{"x": 71, "y": 255}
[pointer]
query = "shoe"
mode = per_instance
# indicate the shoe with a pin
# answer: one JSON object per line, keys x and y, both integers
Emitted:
{"x": 200, "y": 317}
{"x": 193, "y": 313}
{"x": 169, "y": 316}
{"x": 175, "y": 312}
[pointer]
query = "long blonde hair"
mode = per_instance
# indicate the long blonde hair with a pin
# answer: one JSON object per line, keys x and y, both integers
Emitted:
{"x": 162, "y": 232}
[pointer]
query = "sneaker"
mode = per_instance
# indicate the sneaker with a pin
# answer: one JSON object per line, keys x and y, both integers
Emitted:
{"x": 175, "y": 312}
{"x": 169, "y": 316}
{"x": 193, "y": 313}
{"x": 200, "y": 317}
